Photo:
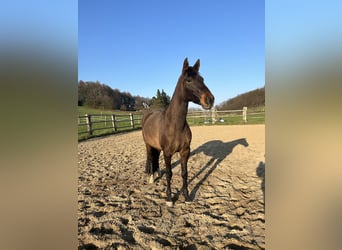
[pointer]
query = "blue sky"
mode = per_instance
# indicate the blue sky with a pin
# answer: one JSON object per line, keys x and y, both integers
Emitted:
{"x": 140, "y": 46}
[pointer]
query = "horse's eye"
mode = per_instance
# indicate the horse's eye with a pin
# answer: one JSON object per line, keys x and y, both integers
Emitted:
{"x": 188, "y": 81}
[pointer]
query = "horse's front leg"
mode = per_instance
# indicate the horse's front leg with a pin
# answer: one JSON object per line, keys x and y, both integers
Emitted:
{"x": 184, "y": 154}
{"x": 167, "y": 159}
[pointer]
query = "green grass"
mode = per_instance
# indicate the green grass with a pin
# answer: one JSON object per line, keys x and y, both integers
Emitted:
{"x": 257, "y": 118}
{"x": 104, "y": 125}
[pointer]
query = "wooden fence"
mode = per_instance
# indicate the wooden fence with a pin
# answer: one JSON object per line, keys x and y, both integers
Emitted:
{"x": 100, "y": 124}
{"x": 215, "y": 116}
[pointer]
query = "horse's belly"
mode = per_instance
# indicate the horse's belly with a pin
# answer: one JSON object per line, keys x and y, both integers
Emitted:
{"x": 150, "y": 132}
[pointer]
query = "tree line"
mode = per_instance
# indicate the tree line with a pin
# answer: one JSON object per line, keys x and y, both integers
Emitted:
{"x": 251, "y": 99}
{"x": 101, "y": 96}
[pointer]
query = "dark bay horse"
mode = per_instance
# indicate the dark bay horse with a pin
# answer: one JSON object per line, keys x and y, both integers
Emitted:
{"x": 168, "y": 130}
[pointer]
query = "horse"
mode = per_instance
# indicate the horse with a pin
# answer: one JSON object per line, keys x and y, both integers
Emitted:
{"x": 168, "y": 131}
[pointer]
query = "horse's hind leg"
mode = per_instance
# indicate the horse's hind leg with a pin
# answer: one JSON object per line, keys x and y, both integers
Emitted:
{"x": 152, "y": 161}
{"x": 155, "y": 161}
{"x": 148, "y": 167}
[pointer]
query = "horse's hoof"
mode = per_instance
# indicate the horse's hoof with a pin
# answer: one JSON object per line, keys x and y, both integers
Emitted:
{"x": 151, "y": 180}
{"x": 169, "y": 203}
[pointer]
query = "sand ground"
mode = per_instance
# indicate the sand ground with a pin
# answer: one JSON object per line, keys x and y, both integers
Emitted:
{"x": 118, "y": 209}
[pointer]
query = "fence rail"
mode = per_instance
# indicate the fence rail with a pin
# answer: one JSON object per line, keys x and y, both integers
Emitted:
{"x": 90, "y": 125}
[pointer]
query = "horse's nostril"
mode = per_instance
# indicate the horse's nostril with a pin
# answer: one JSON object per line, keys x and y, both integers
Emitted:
{"x": 207, "y": 100}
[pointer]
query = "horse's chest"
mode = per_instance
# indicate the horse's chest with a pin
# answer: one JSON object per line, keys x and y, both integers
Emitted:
{"x": 173, "y": 143}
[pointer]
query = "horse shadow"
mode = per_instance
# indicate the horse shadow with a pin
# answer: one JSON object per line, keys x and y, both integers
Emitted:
{"x": 260, "y": 171}
{"x": 218, "y": 151}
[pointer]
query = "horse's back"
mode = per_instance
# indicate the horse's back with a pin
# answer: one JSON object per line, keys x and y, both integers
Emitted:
{"x": 151, "y": 127}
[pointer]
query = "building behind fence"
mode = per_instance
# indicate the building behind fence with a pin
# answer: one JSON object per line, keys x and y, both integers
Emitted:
{"x": 98, "y": 124}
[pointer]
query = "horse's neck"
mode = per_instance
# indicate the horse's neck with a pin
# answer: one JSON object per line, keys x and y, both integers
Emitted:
{"x": 178, "y": 108}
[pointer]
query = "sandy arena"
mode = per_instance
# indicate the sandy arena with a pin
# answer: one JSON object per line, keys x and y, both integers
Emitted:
{"x": 118, "y": 209}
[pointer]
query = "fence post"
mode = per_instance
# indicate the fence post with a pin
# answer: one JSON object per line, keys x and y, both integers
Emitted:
{"x": 88, "y": 121}
{"x": 132, "y": 120}
{"x": 114, "y": 123}
{"x": 244, "y": 114}
{"x": 213, "y": 116}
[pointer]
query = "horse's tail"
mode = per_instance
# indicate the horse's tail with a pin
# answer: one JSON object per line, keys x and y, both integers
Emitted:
{"x": 152, "y": 162}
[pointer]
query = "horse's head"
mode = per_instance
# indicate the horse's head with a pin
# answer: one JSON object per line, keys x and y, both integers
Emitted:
{"x": 194, "y": 87}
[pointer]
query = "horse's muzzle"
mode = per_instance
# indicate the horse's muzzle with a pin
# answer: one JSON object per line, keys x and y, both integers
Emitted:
{"x": 207, "y": 100}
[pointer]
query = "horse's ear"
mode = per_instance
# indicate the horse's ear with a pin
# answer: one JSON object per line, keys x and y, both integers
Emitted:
{"x": 185, "y": 65}
{"x": 197, "y": 65}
